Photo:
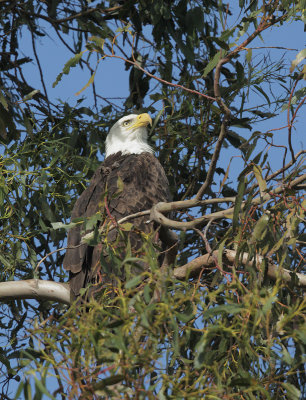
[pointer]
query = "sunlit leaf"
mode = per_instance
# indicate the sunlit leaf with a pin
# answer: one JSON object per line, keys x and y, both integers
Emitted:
{"x": 299, "y": 58}
{"x": 91, "y": 80}
{"x": 261, "y": 182}
{"x": 212, "y": 63}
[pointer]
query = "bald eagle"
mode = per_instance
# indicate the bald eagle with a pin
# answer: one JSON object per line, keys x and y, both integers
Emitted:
{"x": 129, "y": 180}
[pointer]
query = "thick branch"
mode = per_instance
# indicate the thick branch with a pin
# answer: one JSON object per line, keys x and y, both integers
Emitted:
{"x": 177, "y": 205}
{"x": 159, "y": 209}
{"x": 35, "y": 289}
{"x": 195, "y": 267}
{"x": 53, "y": 291}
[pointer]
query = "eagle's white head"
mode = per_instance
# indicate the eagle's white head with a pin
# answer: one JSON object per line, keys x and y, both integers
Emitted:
{"x": 129, "y": 135}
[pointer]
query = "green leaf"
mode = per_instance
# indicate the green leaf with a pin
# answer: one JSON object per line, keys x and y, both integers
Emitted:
{"x": 91, "y": 222}
{"x": 194, "y": 19}
{"x": 261, "y": 182}
{"x": 120, "y": 185}
{"x": 241, "y": 381}
{"x": 286, "y": 356}
{"x": 4, "y": 261}
{"x": 147, "y": 294}
{"x": 268, "y": 304}
{"x": 112, "y": 380}
{"x": 264, "y": 93}
{"x": 69, "y": 64}
{"x": 292, "y": 392}
{"x": 19, "y": 390}
{"x": 220, "y": 43}
{"x": 91, "y": 80}
{"x": 42, "y": 388}
{"x": 277, "y": 245}
{"x": 223, "y": 309}
{"x": 133, "y": 282}
{"x": 188, "y": 314}
{"x": 260, "y": 227}
{"x": 127, "y": 226}
{"x": 299, "y": 58}
{"x": 248, "y": 56}
{"x": 155, "y": 122}
{"x": 257, "y": 158}
{"x": 238, "y": 201}
{"x": 227, "y": 34}
{"x": 301, "y": 334}
{"x": 30, "y": 95}
{"x": 61, "y": 225}
{"x": 3, "y": 101}
{"x": 235, "y": 139}
{"x": 98, "y": 41}
{"x": 212, "y": 64}
{"x": 220, "y": 253}
{"x": 27, "y": 392}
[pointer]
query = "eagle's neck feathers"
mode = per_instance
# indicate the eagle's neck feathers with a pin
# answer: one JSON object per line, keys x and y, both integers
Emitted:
{"x": 127, "y": 147}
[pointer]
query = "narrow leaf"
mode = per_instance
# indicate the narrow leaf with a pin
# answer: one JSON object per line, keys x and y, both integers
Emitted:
{"x": 300, "y": 57}
{"x": 261, "y": 182}
{"x": 211, "y": 65}
{"x": 228, "y": 309}
{"x": 69, "y": 64}
{"x": 238, "y": 201}
{"x": 42, "y": 388}
{"x": 260, "y": 227}
{"x": 248, "y": 56}
{"x": 3, "y": 101}
{"x": 30, "y": 95}
{"x": 292, "y": 392}
{"x": 91, "y": 80}
{"x": 133, "y": 282}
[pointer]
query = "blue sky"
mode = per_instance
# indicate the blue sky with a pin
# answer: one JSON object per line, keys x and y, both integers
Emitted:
{"x": 112, "y": 81}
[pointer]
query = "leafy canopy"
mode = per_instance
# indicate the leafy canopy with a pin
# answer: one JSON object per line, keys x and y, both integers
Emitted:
{"x": 227, "y": 332}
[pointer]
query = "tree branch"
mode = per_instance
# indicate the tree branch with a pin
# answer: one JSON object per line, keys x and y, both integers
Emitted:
{"x": 53, "y": 291}
{"x": 74, "y": 16}
{"x": 195, "y": 267}
{"x": 35, "y": 289}
{"x": 135, "y": 63}
{"x": 157, "y": 211}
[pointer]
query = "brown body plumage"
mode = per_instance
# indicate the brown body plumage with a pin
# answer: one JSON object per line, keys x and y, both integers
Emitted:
{"x": 132, "y": 183}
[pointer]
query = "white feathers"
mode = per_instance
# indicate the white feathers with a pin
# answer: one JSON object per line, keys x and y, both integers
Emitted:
{"x": 129, "y": 135}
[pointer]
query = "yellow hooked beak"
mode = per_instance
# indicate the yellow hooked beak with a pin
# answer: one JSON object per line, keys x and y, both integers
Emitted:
{"x": 142, "y": 120}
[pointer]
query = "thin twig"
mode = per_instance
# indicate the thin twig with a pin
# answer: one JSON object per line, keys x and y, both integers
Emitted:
{"x": 40, "y": 72}
{"x": 290, "y": 122}
{"x": 157, "y": 78}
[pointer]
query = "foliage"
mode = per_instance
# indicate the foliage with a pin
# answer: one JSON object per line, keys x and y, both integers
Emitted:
{"x": 228, "y": 333}
{"x": 195, "y": 342}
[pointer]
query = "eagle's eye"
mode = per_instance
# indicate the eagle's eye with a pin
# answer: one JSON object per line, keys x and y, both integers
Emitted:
{"x": 127, "y": 123}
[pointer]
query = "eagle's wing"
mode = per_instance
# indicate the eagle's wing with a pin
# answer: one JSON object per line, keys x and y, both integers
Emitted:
{"x": 133, "y": 183}
{"x": 86, "y": 206}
